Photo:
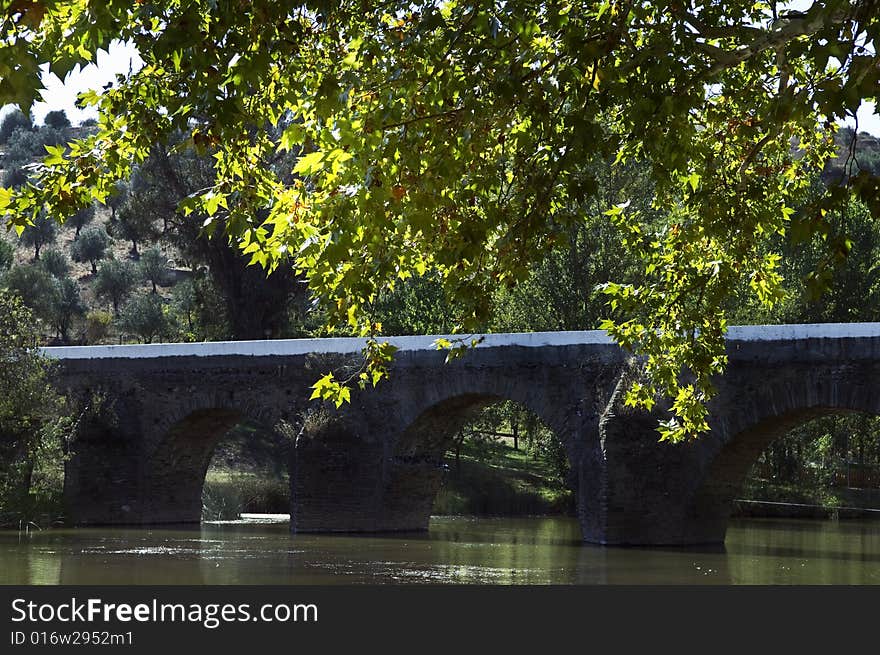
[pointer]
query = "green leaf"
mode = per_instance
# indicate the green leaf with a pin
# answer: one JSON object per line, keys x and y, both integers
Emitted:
{"x": 310, "y": 164}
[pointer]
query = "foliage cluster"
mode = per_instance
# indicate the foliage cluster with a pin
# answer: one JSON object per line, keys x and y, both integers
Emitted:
{"x": 354, "y": 140}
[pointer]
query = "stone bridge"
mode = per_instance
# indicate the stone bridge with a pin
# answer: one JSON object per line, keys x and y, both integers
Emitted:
{"x": 156, "y": 412}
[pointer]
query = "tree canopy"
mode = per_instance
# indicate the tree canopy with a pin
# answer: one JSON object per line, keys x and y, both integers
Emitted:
{"x": 375, "y": 142}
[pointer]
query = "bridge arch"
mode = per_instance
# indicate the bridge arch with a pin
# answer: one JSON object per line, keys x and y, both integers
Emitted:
{"x": 180, "y": 448}
{"x": 429, "y": 421}
{"x": 569, "y": 406}
{"x": 762, "y": 415}
{"x": 417, "y": 458}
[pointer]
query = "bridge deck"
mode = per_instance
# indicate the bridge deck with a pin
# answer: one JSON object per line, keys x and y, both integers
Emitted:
{"x": 347, "y": 345}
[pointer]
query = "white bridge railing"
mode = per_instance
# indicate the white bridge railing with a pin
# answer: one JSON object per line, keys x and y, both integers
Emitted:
{"x": 348, "y": 345}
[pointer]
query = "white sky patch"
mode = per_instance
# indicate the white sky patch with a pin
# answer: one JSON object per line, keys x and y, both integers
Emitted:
{"x": 121, "y": 58}
{"x": 869, "y": 121}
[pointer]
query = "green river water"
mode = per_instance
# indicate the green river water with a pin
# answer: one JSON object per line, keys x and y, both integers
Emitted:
{"x": 463, "y": 550}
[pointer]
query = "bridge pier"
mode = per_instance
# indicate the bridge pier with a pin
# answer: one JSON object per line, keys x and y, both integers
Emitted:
{"x": 651, "y": 486}
{"x": 103, "y": 481}
{"x": 344, "y": 480}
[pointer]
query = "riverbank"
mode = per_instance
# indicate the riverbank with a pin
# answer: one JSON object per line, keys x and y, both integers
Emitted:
{"x": 765, "y": 499}
{"x": 491, "y": 478}
{"x": 770, "y": 509}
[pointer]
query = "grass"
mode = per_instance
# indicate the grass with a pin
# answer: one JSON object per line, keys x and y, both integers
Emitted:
{"x": 494, "y": 479}
{"x": 226, "y": 495}
{"x": 247, "y": 475}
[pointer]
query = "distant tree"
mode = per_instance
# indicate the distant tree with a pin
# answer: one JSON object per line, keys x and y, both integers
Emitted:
{"x": 417, "y": 305}
{"x": 43, "y": 232}
{"x": 89, "y": 122}
{"x": 25, "y": 146}
{"x": 185, "y": 305}
{"x": 7, "y": 255}
{"x": 144, "y": 316}
{"x": 135, "y": 226}
{"x": 22, "y": 146}
{"x": 116, "y": 280}
{"x": 199, "y": 310}
{"x": 118, "y": 198}
{"x": 82, "y": 218}
{"x": 34, "y": 286}
{"x": 57, "y": 119}
{"x": 13, "y": 121}
{"x": 153, "y": 266}
{"x": 66, "y": 305}
{"x": 14, "y": 177}
{"x": 91, "y": 247}
{"x": 55, "y": 263}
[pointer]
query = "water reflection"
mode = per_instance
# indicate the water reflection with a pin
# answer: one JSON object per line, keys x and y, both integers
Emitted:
{"x": 455, "y": 550}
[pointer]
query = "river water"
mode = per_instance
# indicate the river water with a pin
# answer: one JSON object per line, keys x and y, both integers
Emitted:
{"x": 455, "y": 550}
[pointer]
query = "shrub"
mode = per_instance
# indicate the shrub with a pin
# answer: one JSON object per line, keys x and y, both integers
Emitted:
{"x": 97, "y": 326}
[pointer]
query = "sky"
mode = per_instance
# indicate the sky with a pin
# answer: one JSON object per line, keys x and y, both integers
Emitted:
{"x": 122, "y": 58}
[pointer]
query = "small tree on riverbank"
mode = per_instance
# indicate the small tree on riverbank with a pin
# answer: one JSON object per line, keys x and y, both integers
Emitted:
{"x": 30, "y": 428}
